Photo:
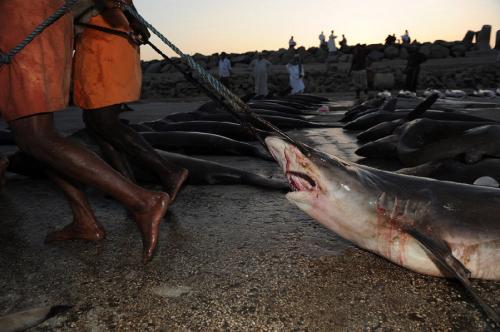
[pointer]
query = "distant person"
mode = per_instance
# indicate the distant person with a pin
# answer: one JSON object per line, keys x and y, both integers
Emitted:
{"x": 332, "y": 48}
{"x": 390, "y": 40}
{"x": 292, "y": 43}
{"x": 343, "y": 44}
{"x": 358, "y": 69}
{"x": 296, "y": 73}
{"x": 415, "y": 59}
{"x": 322, "y": 40}
{"x": 260, "y": 69}
{"x": 225, "y": 69}
{"x": 405, "y": 39}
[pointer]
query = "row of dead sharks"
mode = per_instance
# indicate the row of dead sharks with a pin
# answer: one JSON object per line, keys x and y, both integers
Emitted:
{"x": 451, "y": 146}
{"x": 442, "y": 229}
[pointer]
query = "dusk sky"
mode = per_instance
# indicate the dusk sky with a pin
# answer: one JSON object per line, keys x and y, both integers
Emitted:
{"x": 238, "y": 26}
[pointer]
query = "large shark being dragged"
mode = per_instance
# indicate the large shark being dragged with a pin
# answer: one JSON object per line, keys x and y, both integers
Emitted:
{"x": 432, "y": 227}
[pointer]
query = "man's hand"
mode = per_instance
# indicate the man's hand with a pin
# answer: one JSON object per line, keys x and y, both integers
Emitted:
{"x": 112, "y": 3}
{"x": 140, "y": 33}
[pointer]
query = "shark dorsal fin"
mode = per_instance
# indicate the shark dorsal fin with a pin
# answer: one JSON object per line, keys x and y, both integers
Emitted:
{"x": 423, "y": 107}
{"x": 390, "y": 105}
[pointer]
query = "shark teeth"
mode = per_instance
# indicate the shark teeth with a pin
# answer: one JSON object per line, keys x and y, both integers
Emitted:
{"x": 301, "y": 181}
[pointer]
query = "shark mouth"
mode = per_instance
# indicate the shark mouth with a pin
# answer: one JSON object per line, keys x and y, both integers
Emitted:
{"x": 301, "y": 182}
{"x": 285, "y": 156}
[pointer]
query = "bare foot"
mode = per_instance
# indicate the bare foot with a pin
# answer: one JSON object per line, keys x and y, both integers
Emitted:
{"x": 88, "y": 231}
{"x": 174, "y": 181}
{"x": 4, "y": 162}
{"x": 148, "y": 222}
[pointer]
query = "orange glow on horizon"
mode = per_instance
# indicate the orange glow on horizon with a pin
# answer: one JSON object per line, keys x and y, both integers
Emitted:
{"x": 200, "y": 26}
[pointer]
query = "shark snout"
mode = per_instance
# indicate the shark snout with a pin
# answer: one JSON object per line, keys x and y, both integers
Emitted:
{"x": 295, "y": 165}
{"x": 277, "y": 148}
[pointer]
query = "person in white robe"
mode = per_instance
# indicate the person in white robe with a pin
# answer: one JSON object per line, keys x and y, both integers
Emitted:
{"x": 405, "y": 39}
{"x": 296, "y": 73}
{"x": 332, "y": 47}
{"x": 322, "y": 40}
{"x": 225, "y": 69}
{"x": 260, "y": 70}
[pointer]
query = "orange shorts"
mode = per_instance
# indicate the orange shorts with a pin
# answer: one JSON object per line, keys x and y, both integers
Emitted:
{"x": 106, "y": 68}
{"x": 38, "y": 79}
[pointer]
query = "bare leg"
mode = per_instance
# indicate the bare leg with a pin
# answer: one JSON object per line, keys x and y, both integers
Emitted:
{"x": 115, "y": 158}
{"x": 84, "y": 225}
{"x": 4, "y": 162}
{"x": 36, "y": 136}
{"x": 106, "y": 122}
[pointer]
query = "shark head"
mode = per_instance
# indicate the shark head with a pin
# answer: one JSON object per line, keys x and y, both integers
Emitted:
{"x": 302, "y": 172}
{"x": 325, "y": 187}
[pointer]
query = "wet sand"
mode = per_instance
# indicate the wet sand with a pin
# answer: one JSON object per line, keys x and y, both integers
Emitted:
{"x": 229, "y": 258}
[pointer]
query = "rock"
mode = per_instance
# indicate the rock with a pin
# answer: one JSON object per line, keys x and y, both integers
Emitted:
{"x": 384, "y": 81}
{"x": 242, "y": 59}
{"x": 458, "y": 50}
{"x": 376, "y": 47}
{"x": 497, "y": 42}
{"x": 391, "y": 52}
{"x": 483, "y": 38}
{"x": 287, "y": 56}
{"x": 320, "y": 54}
{"x": 439, "y": 52}
{"x": 376, "y": 56}
{"x": 166, "y": 69}
{"x": 345, "y": 58}
{"x": 154, "y": 68}
{"x": 302, "y": 52}
{"x": 403, "y": 53}
{"x": 200, "y": 58}
{"x": 469, "y": 38}
{"x": 441, "y": 42}
{"x": 312, "y": 50}
{"x": 426, "y": 50}
{"x": 346, "y": 49}
{"x": 478, "y": 54}
{"x": 333, "y": 58}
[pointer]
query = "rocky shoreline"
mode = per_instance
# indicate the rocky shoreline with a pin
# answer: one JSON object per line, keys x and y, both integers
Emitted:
{"x": 466, "y": 64}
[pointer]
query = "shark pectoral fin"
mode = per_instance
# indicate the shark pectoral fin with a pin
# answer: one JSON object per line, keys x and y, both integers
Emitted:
{"x": 443, "y": 256}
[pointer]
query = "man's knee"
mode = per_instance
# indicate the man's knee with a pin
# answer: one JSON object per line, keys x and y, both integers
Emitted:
{"x": 33, "y": 141}
{"x": 102, "y": 119}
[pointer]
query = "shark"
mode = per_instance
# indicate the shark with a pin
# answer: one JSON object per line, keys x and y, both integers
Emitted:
{"x": 436, "y": 228}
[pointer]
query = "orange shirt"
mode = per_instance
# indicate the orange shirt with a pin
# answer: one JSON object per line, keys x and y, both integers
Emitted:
{"x": 38, "y": 79}
{"x": 107, "y": 68}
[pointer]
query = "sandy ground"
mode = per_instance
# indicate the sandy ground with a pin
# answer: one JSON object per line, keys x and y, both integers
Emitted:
{"x": 230, "y": 258}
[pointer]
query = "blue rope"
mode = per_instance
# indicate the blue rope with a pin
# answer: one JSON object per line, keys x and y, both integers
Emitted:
{"x": 9, "y": 56}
